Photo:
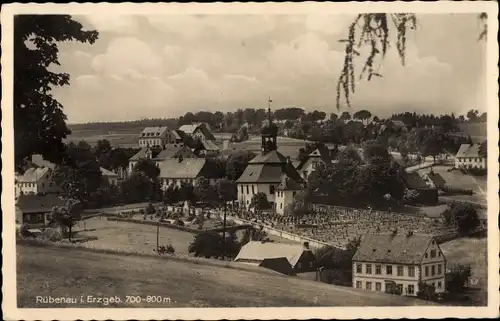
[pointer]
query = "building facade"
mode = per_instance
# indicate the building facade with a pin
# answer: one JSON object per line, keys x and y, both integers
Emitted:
{"x": 36, "y": 180}
{"x": 285, "y": 193}
{"x": 468, "y": 156}
{"x": 398, "y": 264}
{"x": 156, "y": 137}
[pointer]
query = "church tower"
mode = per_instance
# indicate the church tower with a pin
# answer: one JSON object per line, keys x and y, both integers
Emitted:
{"x": 269, "y": 134}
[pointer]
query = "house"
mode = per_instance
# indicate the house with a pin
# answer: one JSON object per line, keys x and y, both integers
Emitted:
{"x": 144, "y": 153}
{"x": 198, "y": 130}
{"x": 109, "y": 176}
{"x": 35, "y": 210}
{"x": 173, "y": 151}
{"x": 434, "y": 180}
{"x": 37, "y": 180}
{"x": 468, "y": 156}
{"x": 178, "y": 170}
{"x": 396, "y": 264}
{"x": 157, "y": 137}
{"x": 288, "y": 259}
{"x": 426, "y": 194}
{"x": 266, "y": 170}
{"x": 37, "y": 159}
{"x": 308, "y": 165}
{"x": 285, "y": 193}
{"x": 208, "y": 148}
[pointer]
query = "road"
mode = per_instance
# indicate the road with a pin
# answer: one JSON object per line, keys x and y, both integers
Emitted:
{"x": 69, "y": 272}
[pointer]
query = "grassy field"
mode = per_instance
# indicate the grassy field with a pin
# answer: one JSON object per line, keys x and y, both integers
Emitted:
{"x": 472, "y": 251}
{"x": 72, "y": 273}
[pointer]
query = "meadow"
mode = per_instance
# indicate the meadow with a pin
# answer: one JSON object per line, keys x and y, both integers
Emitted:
{"x": 43, "y": 271}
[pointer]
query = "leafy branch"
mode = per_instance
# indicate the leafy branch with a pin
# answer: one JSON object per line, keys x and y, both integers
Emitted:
{"x": 372, "y": 30}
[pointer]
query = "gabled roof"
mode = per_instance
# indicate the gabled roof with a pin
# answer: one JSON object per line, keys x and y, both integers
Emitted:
{"x": 33, "y": 174}
{"x": 388, "y": 248}
{"x": 106, "y": 172}
{"x": 436, "y": 178}
{"x": 168, "y": 152}
{"x": 38, "y": 160}
{"x": 288, "y": 184}
{"x": 414, "y": 181}
{"x": 269, "y": 168}
{"x": 209, "y": 145}
{"x": 191, "y": 128}
{"x": 189, "y": 168}
{"x": 256, "y": 250}
{"x": 176, "y": 134}
{"x": 468, "y": 150}
{"x": 140, "y": 154}
{"x": 151, "y": 132}
{"x": 38, "y": 203}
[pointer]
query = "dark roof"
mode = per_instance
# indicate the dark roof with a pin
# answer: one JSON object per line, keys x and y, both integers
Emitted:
{"x": 33, "y": 174}
{"x": 414, "y": 181}
{"x": 209, "y": 145}
{"x": 140, "y": 154}
{"x": 468, "y": 150}
{"x": 186, "y": 168}
{"x": 387, "y": 248}
{"x": 38, "y": 203}
{"x": 154, "y": 131}
{"x": 288, "y": 184}
{"x": 436, "y": 178}
{"x": 272, "y": 157}
{"x": 269, "y": 128}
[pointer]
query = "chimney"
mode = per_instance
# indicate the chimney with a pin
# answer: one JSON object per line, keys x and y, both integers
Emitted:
{"x": 306, "y": 245}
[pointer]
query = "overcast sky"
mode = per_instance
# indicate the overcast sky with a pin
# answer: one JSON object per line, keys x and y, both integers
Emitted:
{"x": 165, "y": 66}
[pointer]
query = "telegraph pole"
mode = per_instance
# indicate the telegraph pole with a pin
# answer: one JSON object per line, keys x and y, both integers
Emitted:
{"x": 224, "y": 232}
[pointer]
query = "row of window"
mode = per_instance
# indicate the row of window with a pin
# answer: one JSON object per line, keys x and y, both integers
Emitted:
{"x": 174, "y": 181}
{"x": 433, "y": 270}
{"x": 388, "y": 269}
{"x": 434, "y": 254}
{"x": 410, "y": 289}
{"x": 24, "y": 184}
{"x": 242, "y": 189}
{"x": 463, "y": 160}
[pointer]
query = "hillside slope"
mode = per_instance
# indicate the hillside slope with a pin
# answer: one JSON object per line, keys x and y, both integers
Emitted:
{"x": 70, "y": 272}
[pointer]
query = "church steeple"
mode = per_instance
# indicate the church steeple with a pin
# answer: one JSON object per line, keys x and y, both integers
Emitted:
{"x": 269, "y": 133}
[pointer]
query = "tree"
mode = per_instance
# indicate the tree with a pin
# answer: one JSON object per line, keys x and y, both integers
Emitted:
{"x": 203, "y": 191}
{"x": 226, "y": 190}
{"x": 463, "y": 216}
{"x": 206, "y": 244}
{"x": 376, "y": 119}
{"x": 259, "y": 202}
{"x": 237, "y": 162}
{"x": 147, "y": 167}
{"x": 373, "y": 149}
{"x": 458, "y": 277}
{"x": 345, "y": 116}
{"x": 79, "y": 176}
{"x": 136, "y": 188}
{"x": 362, "y": 115}
{"x": 67, "y": 216}
{"x": 102, "y": 147}
{"x": 39, "y": 120}
{"x": 186, "y": 193}
{"x": 426, "y": 291}
{"x": 333, "y": 117}
{"x": 373, "y": 31}
{"x": 472, "y": 115}
{"x": 171, "y": 195}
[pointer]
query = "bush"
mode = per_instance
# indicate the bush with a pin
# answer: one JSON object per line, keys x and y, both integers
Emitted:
{"x": 426, "y": 291}
{"x": 150, "y": 209}
{"x": 179, "y": 222}
{"x": 458, "y": 277}
{"x": 463, "y": 216}
{"x": 52, "y": 234}
{"x": 411, "y": 196}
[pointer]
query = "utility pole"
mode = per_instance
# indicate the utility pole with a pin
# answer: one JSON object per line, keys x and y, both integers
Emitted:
{"x": 158, "y": 238}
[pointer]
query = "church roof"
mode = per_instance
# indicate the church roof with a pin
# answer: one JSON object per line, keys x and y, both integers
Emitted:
{"x": 269, "y": 168}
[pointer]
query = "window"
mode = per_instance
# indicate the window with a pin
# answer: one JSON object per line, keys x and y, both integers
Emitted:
{"x": 281, "y": 206}
{"x": 426, "y": 271}
{"x": 253, "y": 191}
{"x": 358, "y": 284}
{"x": 271, "y": 189}
{"x": 241, "y": 189}
{"x": 411, "y": 289}
{"x": 388, "y": 270}
{"x": 439, "y": 253}
{"x": 247, "y": 190}
{"x": 358, "y": 268}
{"x": 378, "y": 286}
{"x": 368, "y": 269}
{"x": 439, "y": 285}
{"x": 378, "y": 269}
{"x": 426, "y": 255}
{"x": 311, "y": 264}
{"x": 368, "y": 285}
{"x": 433, "y": 270}
{"x": 400, "y": 270}
{"x": 294, "y": 193}
{"x": 411, "y": 271}
{"x": 439, "y": 269}
{"x": 433, "y": 254}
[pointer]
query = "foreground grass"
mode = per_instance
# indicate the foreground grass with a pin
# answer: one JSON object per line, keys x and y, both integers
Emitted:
{"x": 73, "y": 273}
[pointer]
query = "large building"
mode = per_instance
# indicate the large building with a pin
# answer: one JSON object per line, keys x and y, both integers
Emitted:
{"x": 158, "y": 137}
{"x": 397, "y": 264}
{"x": 175, "y": 171}
{"x": 468, "y": 156}
{"x": 198, "y": 130}
{"x": 36, "y": 180}
{"x": 266, "y": 171}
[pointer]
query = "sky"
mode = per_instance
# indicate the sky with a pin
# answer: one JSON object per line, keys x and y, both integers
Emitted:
{"x": 160, "y": 66}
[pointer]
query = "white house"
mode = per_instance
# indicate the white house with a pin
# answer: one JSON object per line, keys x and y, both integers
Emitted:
{"x": 265, "y": 172}
{"x": 398, "y": 263}
{"x": 285, "y": 193}
{"x": 308, "y": 165}
{"x": 198, "y": 130}
{"x": 36, "y": 180}
{"x": 175, "y": 171}
{"x": 468, "y": 156}
{"x": 157, "y": 137}
{"x": 110, "y": 176}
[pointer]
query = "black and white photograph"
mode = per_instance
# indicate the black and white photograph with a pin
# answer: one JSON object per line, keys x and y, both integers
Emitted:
{"x": 274, "y": 155}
